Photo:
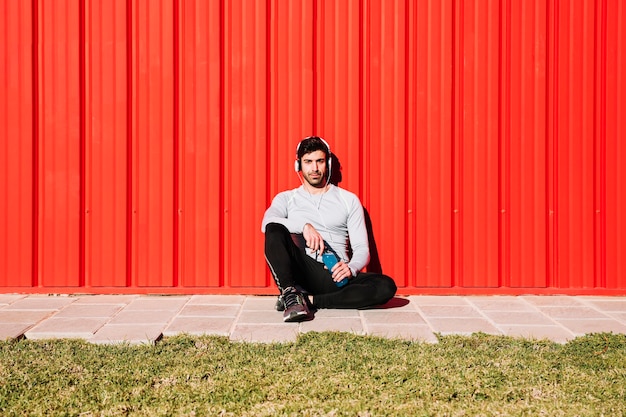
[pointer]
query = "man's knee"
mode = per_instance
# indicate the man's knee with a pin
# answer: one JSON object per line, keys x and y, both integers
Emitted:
{"x": 388, "y": 288}
{"x": 275, "y": 232}
{"x": 273, "y": 228}
{"x": 277, "y": 238}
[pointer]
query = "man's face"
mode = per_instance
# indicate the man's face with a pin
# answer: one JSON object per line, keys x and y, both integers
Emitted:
{"x": 314, "y": 168}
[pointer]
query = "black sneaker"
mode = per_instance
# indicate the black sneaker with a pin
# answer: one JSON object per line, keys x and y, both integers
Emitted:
{"x": 295, "y": 306}
{"x": 280, "y": 301}
{"x": 280, "y": 304}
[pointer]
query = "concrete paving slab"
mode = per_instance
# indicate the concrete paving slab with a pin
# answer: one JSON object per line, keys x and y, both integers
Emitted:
{"x": 90, "y": 310}
{"x": 15, "y": 323}
{"x": 37, "y": 302}
{"x": 66, "y": 327}
{"x": 217, "y": 326}
{"x": 24, "y": 316}
{"x": 552, "y": 300}
{"x": 415, "y": 332}
{"x": 436, "y": 300}
{"x": 265, "y": 333}
{"x": 259, "y": 303}
{"x": 133, "y": 334}
{"x": 620, "y": 316}
{"x": 261, "y": 316}
{"x": 500, "y": 303}
{"x": 606, "y": 304}
{"x": 582, "y": 326}
{"x": 538, "y": 332}
{"x": 450, "y": 311}
{"x": 217, "y": 299}
{"x": 327, "y": 324}
{"x": 143, "y": 317}
{"x": 392, "y": 316}
{"x": 518, "y": 318}
{"x": 10, "y": 331}
{"x": 571, "y": 312}
{"x": 106, "y": 299}
{"x": 169, "y": 303}
{"x": 210, "y": 310}
{"x": 335, "y": 313}
{"x": 463, "y": 326}
{"x": 6, "y": 299}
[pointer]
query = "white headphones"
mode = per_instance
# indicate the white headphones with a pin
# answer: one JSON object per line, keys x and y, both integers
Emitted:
{"x": 296, "y": 164}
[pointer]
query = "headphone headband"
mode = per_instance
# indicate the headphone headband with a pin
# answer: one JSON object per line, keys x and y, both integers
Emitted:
{"x": 313, "y": 137}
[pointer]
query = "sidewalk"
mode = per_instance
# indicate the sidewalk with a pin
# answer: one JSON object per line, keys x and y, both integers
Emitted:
{"x": 146, "y": 319}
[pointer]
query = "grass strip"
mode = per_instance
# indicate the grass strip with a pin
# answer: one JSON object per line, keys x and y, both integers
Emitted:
{"x": 321, "y": 374}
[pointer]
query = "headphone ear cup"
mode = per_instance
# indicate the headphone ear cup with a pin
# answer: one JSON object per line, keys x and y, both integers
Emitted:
{"x": 296, "y": 165}
{"x": 330, "y": 166}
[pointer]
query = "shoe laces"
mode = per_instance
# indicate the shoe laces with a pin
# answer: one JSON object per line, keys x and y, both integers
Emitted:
{"x": 291, "y": 298}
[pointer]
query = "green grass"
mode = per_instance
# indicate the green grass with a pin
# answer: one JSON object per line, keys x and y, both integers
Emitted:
{"x": 322, "y": 374}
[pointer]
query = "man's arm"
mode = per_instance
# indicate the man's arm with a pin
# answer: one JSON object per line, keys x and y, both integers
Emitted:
{"x": 278, "y": 212}
{"x": 357, "y": 233}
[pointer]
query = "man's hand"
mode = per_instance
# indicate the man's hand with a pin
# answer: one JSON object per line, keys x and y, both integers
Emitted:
{"x": 340, "y": 271}
{"x": 312, "y": 238}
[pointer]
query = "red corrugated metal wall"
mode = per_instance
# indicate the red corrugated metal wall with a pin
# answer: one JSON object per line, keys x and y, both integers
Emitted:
{"x": 141, "y": 140}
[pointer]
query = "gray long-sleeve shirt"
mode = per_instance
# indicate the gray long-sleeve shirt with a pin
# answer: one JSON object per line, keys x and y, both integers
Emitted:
{"x": 336, "y": 214}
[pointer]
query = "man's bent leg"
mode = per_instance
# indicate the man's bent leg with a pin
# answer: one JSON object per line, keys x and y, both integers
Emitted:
{"x": 284, "y": 258}
{"x": 367, "y": 289}
{"x": 282, "y": 255}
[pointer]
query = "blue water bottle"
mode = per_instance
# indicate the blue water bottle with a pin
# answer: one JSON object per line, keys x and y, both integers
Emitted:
{"x": 330, "y": 260}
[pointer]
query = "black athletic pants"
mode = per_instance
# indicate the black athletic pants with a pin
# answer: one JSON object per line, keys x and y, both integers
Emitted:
{"x": 291, "y": 266}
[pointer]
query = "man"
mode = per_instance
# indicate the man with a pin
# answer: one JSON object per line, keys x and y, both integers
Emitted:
{"x": 317, "y": 218}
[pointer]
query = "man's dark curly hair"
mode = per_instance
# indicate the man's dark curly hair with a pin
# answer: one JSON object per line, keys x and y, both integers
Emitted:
{"x": 312, "y": 144}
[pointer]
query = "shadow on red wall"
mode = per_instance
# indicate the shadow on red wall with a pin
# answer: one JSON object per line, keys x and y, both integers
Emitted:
{"x": 335, "y": 178}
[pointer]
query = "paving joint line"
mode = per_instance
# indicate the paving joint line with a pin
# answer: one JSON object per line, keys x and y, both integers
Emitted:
{"x": 538, "y": 310}
{"x": 485, "y": 316}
